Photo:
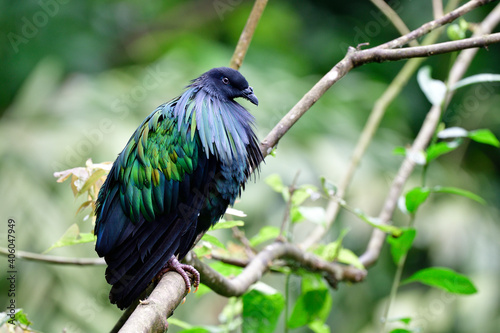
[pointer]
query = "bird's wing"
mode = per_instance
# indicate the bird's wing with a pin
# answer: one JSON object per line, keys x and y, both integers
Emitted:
{"x": 154, "y": 176}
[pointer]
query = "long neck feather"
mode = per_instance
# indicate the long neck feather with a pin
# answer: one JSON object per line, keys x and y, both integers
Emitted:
{"x": 224, "y": 126}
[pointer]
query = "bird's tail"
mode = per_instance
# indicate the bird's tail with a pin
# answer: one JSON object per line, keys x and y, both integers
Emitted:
{"x": 134, "y": 263}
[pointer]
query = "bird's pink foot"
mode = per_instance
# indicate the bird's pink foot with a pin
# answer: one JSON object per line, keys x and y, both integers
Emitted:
{"x": 174, "y": 265}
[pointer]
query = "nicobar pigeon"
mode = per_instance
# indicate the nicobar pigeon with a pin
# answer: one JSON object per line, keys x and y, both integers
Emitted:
{"x": 174, "y": 179}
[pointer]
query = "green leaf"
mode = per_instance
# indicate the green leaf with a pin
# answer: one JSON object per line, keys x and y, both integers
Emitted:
{"x": 328, "y": 187}
{"x": 275, "y": 182}
{"x": 437, "y": 149}
{"x": 265, "y": 234}
{"x": 22, "y": 318}
{"x": 307, "y": 308}
{"x": 402, "y": 244}
{"x": 434, "y": 90}
{"x": 295, "y": 215}
{"x": 405, "y": 320}
{"x": 455, "y": 32}
{"x": 485, "y": 77}
{"x": 227, "y": 224}
{"x": 213, "y": 240}
{"x": 313, "y": 304}
{"x": 226, "y": 269}
{"x": 376, "y": 223}
{"x": 458, "y": 191}
{"x": 348, "y": 257}
{"x": 415, "y": 197}
{"x": 302, "y": 194}
{"x": 91, "y": 181}
{"x": 262, "y": 307}
{"x": 299, "y": 196}
{"x": 202, "y": 251}
{"x": 330, "y": 251}
{"x": 72, "y": 236}
{"x": 318, "y": 326}
{"x": 484, "y": 136}
{"x": 464, "y": 25}
{"x": 443, "y": 278}
{"x": 400, "y": 330}
{"x": 399, "y": 151}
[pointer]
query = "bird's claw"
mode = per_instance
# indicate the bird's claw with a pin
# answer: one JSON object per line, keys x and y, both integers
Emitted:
{"x": 174, "y": 265}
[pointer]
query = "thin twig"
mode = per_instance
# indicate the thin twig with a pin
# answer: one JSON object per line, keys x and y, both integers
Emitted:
{"x": 381, "y": 55}
{"x": 240, "y": 235}
{"x": 396, "y": 21}
{"x": 428, "y": 27}
{"x": 247, "y": 34}
{"x": 54, "y": 259}
{"x": 231, "y": 261}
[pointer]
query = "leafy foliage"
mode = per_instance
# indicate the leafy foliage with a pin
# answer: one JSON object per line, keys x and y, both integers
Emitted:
{"x": 443, "y": 278}
{"x": 262, "y": 306}
{"x": 20, "y": 321}
{"x": 400, "y": 245}
{"x": 313, "y": 305}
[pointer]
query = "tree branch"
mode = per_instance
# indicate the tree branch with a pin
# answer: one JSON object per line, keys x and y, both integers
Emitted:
{"x": 54, "y": 259}
{"x": 247, "y": 34}
{"x": 425, "y": 134}
{"x": 381, "y": 55}
{"x": 346, "y": 64}
{"x": 151, "y": 315}
{"x": 261, "y": 264}
{"x": 427, "y": 27}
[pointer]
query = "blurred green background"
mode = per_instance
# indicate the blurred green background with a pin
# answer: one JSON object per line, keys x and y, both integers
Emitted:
{"x": 77, "y": 77}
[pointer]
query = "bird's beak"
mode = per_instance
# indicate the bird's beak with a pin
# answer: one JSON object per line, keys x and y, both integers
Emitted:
{"x": 248, "y": 94}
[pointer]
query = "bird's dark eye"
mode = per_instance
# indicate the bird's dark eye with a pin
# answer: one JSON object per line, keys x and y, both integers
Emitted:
{"x": 225, "y": 80}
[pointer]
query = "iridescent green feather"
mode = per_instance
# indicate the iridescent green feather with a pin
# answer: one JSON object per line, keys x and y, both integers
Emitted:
{"x": 158, "y": 150}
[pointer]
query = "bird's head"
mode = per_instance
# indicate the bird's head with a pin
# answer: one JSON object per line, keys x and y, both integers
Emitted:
{"x": 226, "y": 83}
